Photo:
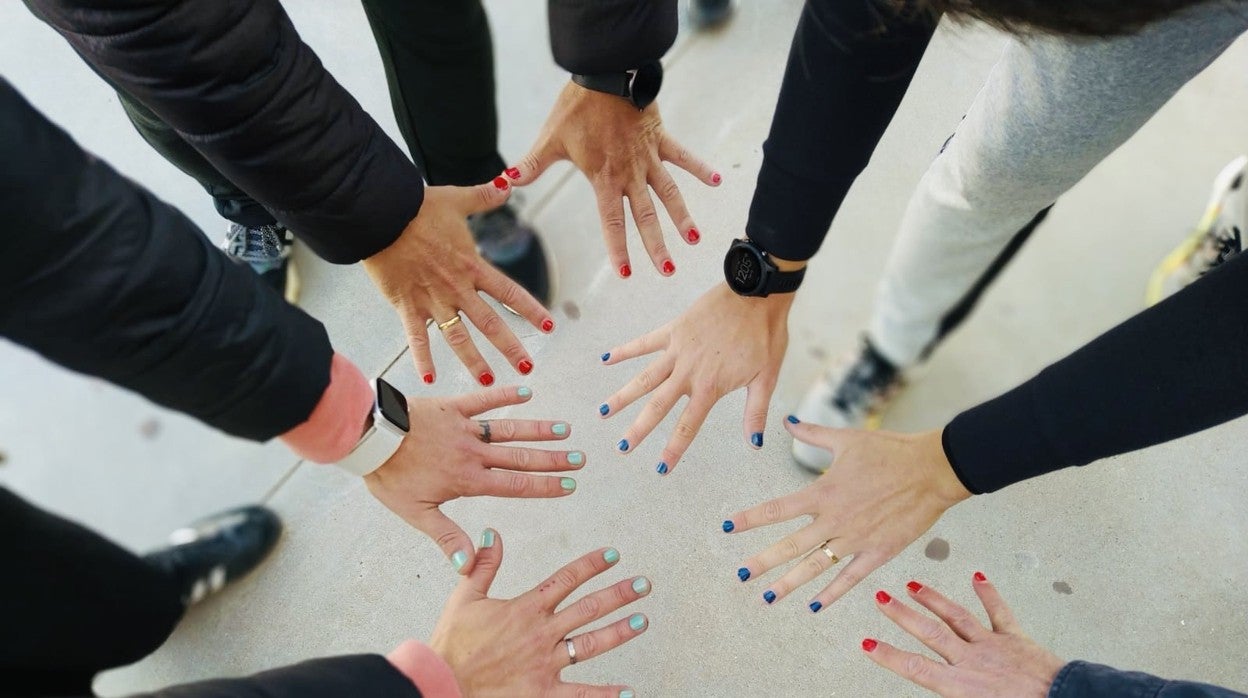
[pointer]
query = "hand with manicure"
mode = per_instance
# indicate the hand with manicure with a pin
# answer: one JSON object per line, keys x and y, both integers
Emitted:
{"x": 433, "y": 272}
{"x": 446, "y": 456}
{"x": 882, "y": 491}
{"x": 979, "y": 662}
{"x": 518, "y": 647}
{"x": 723, "y": 342}
{"x": 621, "y": 150}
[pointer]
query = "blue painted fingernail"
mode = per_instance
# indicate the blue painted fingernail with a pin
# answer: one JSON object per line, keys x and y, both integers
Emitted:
{"x": 576, "y": 458}
{"x": 769, "y": 596}
{"x": 792, "y": 420}
{"x": 641, "y": 585}
{"x": 622, "y": 445}
{"x": 568, "y": 484}
{"x": 611, "y": 556}
{"x": 815, "y": 606}
{"x": 559, "y": 429}
{"x": 487, "y": 538}
{"x": 743, "y": 574}
{"x": 524, "y": 392}
{"x": 606, "y": 356}
{"x": 662, "y": 468}
{"x": 603, "y": 409}
{"x": 459, "y": 559}
{"x": 627, "y": 693}
{"x": 729, "y": 526}
{"x": 757, "y": 439}
{"x": 637, "y": 621}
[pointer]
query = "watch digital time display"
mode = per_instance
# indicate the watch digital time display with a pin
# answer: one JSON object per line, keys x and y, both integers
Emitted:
{"x": 743, "y": 270}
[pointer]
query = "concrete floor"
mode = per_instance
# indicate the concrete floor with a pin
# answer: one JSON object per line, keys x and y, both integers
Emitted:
{"x": 1134, "y": 562}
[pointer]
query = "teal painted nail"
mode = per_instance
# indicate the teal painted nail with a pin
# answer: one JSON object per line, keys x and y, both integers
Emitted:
{"x": 559, "y": 429}
{"x": 611, "y": 555}
{"x": 567, "y": 483}
{"x": 637, "y": 621}
{"x": 525, "y": 392}
{"x": 641, "y": 585}
{"x": 627, "y": 693}
{"x": 487, "y": 538}
{"x": 576, "y": 458}
{"x": 459, "y": 559}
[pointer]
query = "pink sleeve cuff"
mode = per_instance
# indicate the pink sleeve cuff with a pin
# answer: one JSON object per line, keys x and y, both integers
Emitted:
{"x": 423, "y": 667}
{"x": 337, "y": 423}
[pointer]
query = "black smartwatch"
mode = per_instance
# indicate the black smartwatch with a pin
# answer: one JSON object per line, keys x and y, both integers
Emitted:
{"x": 750, "y": 272}
{"x": 640, "y": 86}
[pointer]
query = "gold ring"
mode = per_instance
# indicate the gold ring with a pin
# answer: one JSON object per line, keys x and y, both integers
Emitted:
{"x": 450, "y": 323}
{"x": 832, "y": 558}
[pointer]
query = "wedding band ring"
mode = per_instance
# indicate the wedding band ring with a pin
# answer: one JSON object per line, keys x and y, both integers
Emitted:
{"x": 444, "y": 326}
{"x": 832, "y": 558}
{"x": 571, "y": 651}
{"x": 485, "y": 431}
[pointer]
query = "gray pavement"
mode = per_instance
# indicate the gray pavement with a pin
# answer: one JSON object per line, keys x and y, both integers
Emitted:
{"x": 1134, "y": 562}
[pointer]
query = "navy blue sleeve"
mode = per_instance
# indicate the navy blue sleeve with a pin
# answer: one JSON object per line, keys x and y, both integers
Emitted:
{"x": 1084, "y": 680}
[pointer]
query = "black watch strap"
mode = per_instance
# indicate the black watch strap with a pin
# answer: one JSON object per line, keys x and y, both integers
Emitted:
{"x": 785, "y": 281}
{"x": 618, "y": 84}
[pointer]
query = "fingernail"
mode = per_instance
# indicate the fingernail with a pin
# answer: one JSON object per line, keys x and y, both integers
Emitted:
{"x": 576, "y": 458}
{"x": 548, "y": 325}
{"x": 743, "y": 574}
{"x": 979, "y": 577}
{"x": 500, "y": 183}
{"x": 459, "y": 559}
{"x": 627, "y": 693}
{"x": 792, "y": 420}
{"x": 661, "y": 468}
{"x": 882, "y": 597}
{"x": 729, "y": 526}
{"x": 626, "y": 271}
{"x": 757, "y": 439}
{"x": 769, "y": 596}
{"x": 487, "y": 379}
{"x": 567, "y": 484}
{"x": 716, "y": 178}
{"x": 427, "y": 378}
{"x": 637, "y": 621}
{"x": 694, "y": 235}
{"x": 641, "y": 585}
{"x": 524, "y": 392}
{"x": 487, "y": 538}
{"x": 914, "y": 587}
{"x": 513, "y": 172}
{"x": 815, "y": 606}
{"x": 869, "y": 645}
{"x": 559, "y": 429}
{"x": 668, "y": 267}
{"x": 525, "y": 366}
{"x": 611, "y": 556}
{"x": 606, "y": 356}
{"x": 622, "y": 445}
{"x": 603, "y": 409}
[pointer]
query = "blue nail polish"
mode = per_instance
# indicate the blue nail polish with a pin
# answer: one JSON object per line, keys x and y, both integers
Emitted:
{"x": 622, "y": 445}
{"x": 524, "y": 392}
{"x": 662, "y": 468}
{"x": 815, "y": 606}
{"x": 792, "y": 420}
{"x": 637, "y": 622}
{"x": 559, "y": 429}
{"x": 743, "y": 574}
{"x": 576, "y": 458}
{"x": 757, "y": 439}
{"x": 603, "y": 409}
{"x": 769, "y": 596}
{"x": 606, "y": 356}
{"x": 729, "y": 526}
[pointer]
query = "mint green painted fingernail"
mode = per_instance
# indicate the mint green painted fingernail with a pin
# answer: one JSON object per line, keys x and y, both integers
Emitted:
{"x": 576, "y": 458}
{"x": 559, "y": 429}
{"x": 567, "y": 483}
{"x": 637, "y": 621}
{"x": 459, "y": 559}
{"x": 627, "y": 693}
{"x": 487, "y": 538}
{"x": 641, "y": 585}
{"x": 524, "y": 392}
{"x": 611, "y": 555}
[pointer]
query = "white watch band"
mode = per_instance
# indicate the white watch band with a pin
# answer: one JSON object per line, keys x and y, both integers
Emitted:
{"x": 379, "y": 443}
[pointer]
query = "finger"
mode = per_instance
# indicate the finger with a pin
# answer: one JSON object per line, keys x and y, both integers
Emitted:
{"x": 532, "y": 460}
{"x": 757, "y": 399}
{"x": 418, "y": 340}
{"x": 955, "y": 616}
{"x": 649, "y": 378}
{"x": 518, "y": 485}
{"x": 999, "y": 614}
{"x": 603, "y": 640}
{"x": 680, "y": 156}
{"x": 489, "y": 558}
{"x": 857, "y": 570}
{"x": 480, "y": 198}
{"x": 645, "y": 344}
{"x": 552, "y": 592}
{"x": 656, "y": 409}
{"x": 687, "y": 427}
{"x": 914, "y": 668}
{"x": 452, "y": 539}
{"x": 647, "y": 220}
{"x": 507, "y": 430}
{"x": 584, "y": 690}
{"x": 828, "y": 438}
{"x": 460, "y": 341}
{"x": 773, "y": 511}
{"x": 932, "y": 632}
{"x": 600, "y": 604}
{"x": 614, "y": 231}
{"x": 790, "y": 548}
{"x": 532, "y": 165}
{"x": 669, "y": 194}
{"x": 479, "y": 401}
{"x": 498, "y": 286}
{"x": 492, "y": 326}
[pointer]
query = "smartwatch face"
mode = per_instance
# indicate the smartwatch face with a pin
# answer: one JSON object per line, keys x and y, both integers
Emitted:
{"x": 645, "y": 84}
{"x": 393, "y": 405}
{"x": 743, "y": 269}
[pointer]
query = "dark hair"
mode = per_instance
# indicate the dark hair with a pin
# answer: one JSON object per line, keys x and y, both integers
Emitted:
{"x": 1076, "y": 17}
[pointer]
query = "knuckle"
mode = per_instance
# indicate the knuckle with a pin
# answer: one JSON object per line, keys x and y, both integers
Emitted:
{"x": 589, "y": 644}
{"x": 657, "y": 407}
{"x": 446, "y": 540}
{"x": 520, "y": 458}
{"x": 933, "y": 631}
{"x": 646, "y": 216}
{"x": 505, "y": 430}
{"x": 457, "y": 337}
{"x": 588, "y": 607}
{"x": 668, "y": 189}
{"x": 915, "y": 668}
{"x": 492, "y": 324}
{"x": 788, "y": 548}
{"x": 772, "y": 511}
{"x": 583, "y": 692}
{"x": 685, "y": 430}
{"x": 566, "y": 579}
{"x": 510, "y": 295}
{"x": 814, "y": 564}
{"x": 646, "y": 380}
{"x": 519, "y": 484}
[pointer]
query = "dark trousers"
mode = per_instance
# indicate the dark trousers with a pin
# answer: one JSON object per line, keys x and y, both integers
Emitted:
{"x": 439, "y": 65}
{"x": 72, "y": 603}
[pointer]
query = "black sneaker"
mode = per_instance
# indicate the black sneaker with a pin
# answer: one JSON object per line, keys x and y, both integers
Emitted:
{"x": 513, "y": 246}
{"x": 708, "y": 14}
{"x": 215, "y": 551}
{"x": 266, "y": 249}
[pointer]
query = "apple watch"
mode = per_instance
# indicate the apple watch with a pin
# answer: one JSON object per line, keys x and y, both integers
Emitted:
{"x": 389, "y": 425}
{"x": 639, "y": 86}
{"x": 750, "y": 272}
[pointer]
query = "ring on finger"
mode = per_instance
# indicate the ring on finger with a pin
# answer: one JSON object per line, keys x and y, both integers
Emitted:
{"x": 485, "y": 430}
{"x": 832, "y": 558}
{"x": 571, "y": 650}
{"x": 444, "y": 326}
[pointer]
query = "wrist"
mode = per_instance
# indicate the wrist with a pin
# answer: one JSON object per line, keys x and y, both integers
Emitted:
{"x": 946, "y": 483}
{"x": 426, "y": 669}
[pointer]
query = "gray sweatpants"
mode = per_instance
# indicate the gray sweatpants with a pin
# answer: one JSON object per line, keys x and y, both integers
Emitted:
{"x": 1051, "y": 109}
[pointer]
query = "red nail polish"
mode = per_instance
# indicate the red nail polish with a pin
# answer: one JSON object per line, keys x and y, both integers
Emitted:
{"x": 979, "y": 577}
{"x": 525, "y": 366}
{"x": 548, "y": 325}
{"x": 694, "y": 235}
{"x": 668, "y": 267}
{"x": 914, "y": 587}
{"x": 626, "y": 271}
{"x": 500, "y": 183}
{"x": 869, "y": 645}
{"x": 716, "y": 179}
{"x": 882, "y": 596}
{"x": 427, "y": 378}
{"x": 513, "y": 172}
{"x": 487, "y": 379}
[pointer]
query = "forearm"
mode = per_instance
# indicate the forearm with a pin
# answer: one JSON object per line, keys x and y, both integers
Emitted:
{"x": 1083, "y": 680}
{"x": 849, "y": 67}
{"x": 362, "y": 675}
{"x": 1170, "y": 371}
{"x": 602, "y": 36}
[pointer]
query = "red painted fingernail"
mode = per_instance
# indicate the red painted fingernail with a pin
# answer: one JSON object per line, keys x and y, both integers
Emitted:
{"x": 914, "y": 587}
{"x": 716, "y": 179}
{"x": 979, "y": 577}
{"x": 882, "y": 596}
{"x": 513, "y": 172}
{"x": 487, "y": 379}
{"x": 626, "y": 271}
{"x": 668, "y": 267}
{"x": 548, "y": 325}
{"x": 427, "y": 378}
{"x": 869, "y": 645}
{"x": 694, "y": 235}
{"x": 525, "y": 366}
{"x": 500, "y": 183}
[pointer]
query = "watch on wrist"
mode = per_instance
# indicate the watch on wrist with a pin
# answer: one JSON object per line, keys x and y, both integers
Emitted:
{"x": 750, "y": 272}
{"x": 390, "y": 424}
{"x": 639, "y": 86}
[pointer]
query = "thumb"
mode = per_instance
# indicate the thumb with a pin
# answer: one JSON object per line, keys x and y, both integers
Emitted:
{"x": 489, "y": 559}
{"x": 757, "y": 398}
{"x": 532, "y": 166}
{"x": 830, "y": 439}
{"x": 455, "y": 544}
{"x": 482, "y": 197}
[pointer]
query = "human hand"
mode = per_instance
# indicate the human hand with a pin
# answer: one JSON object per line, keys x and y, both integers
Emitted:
{"x": 724, "y": 341}
{"x": 882, "y": 491}
{"x": 446, "y": 456}
{"x": 518, "y": 647}
{"x": 621, "y": 150}
{"x": 980, "y": 663}
{"x": 433, "y": 272}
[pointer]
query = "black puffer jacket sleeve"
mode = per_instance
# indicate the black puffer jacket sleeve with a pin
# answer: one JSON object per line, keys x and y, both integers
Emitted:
{"x": 605, "y": 36}
{"x": 363, "y": 675}
{"x": 99, "y": 276}
{"x": 235, "y": 80}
